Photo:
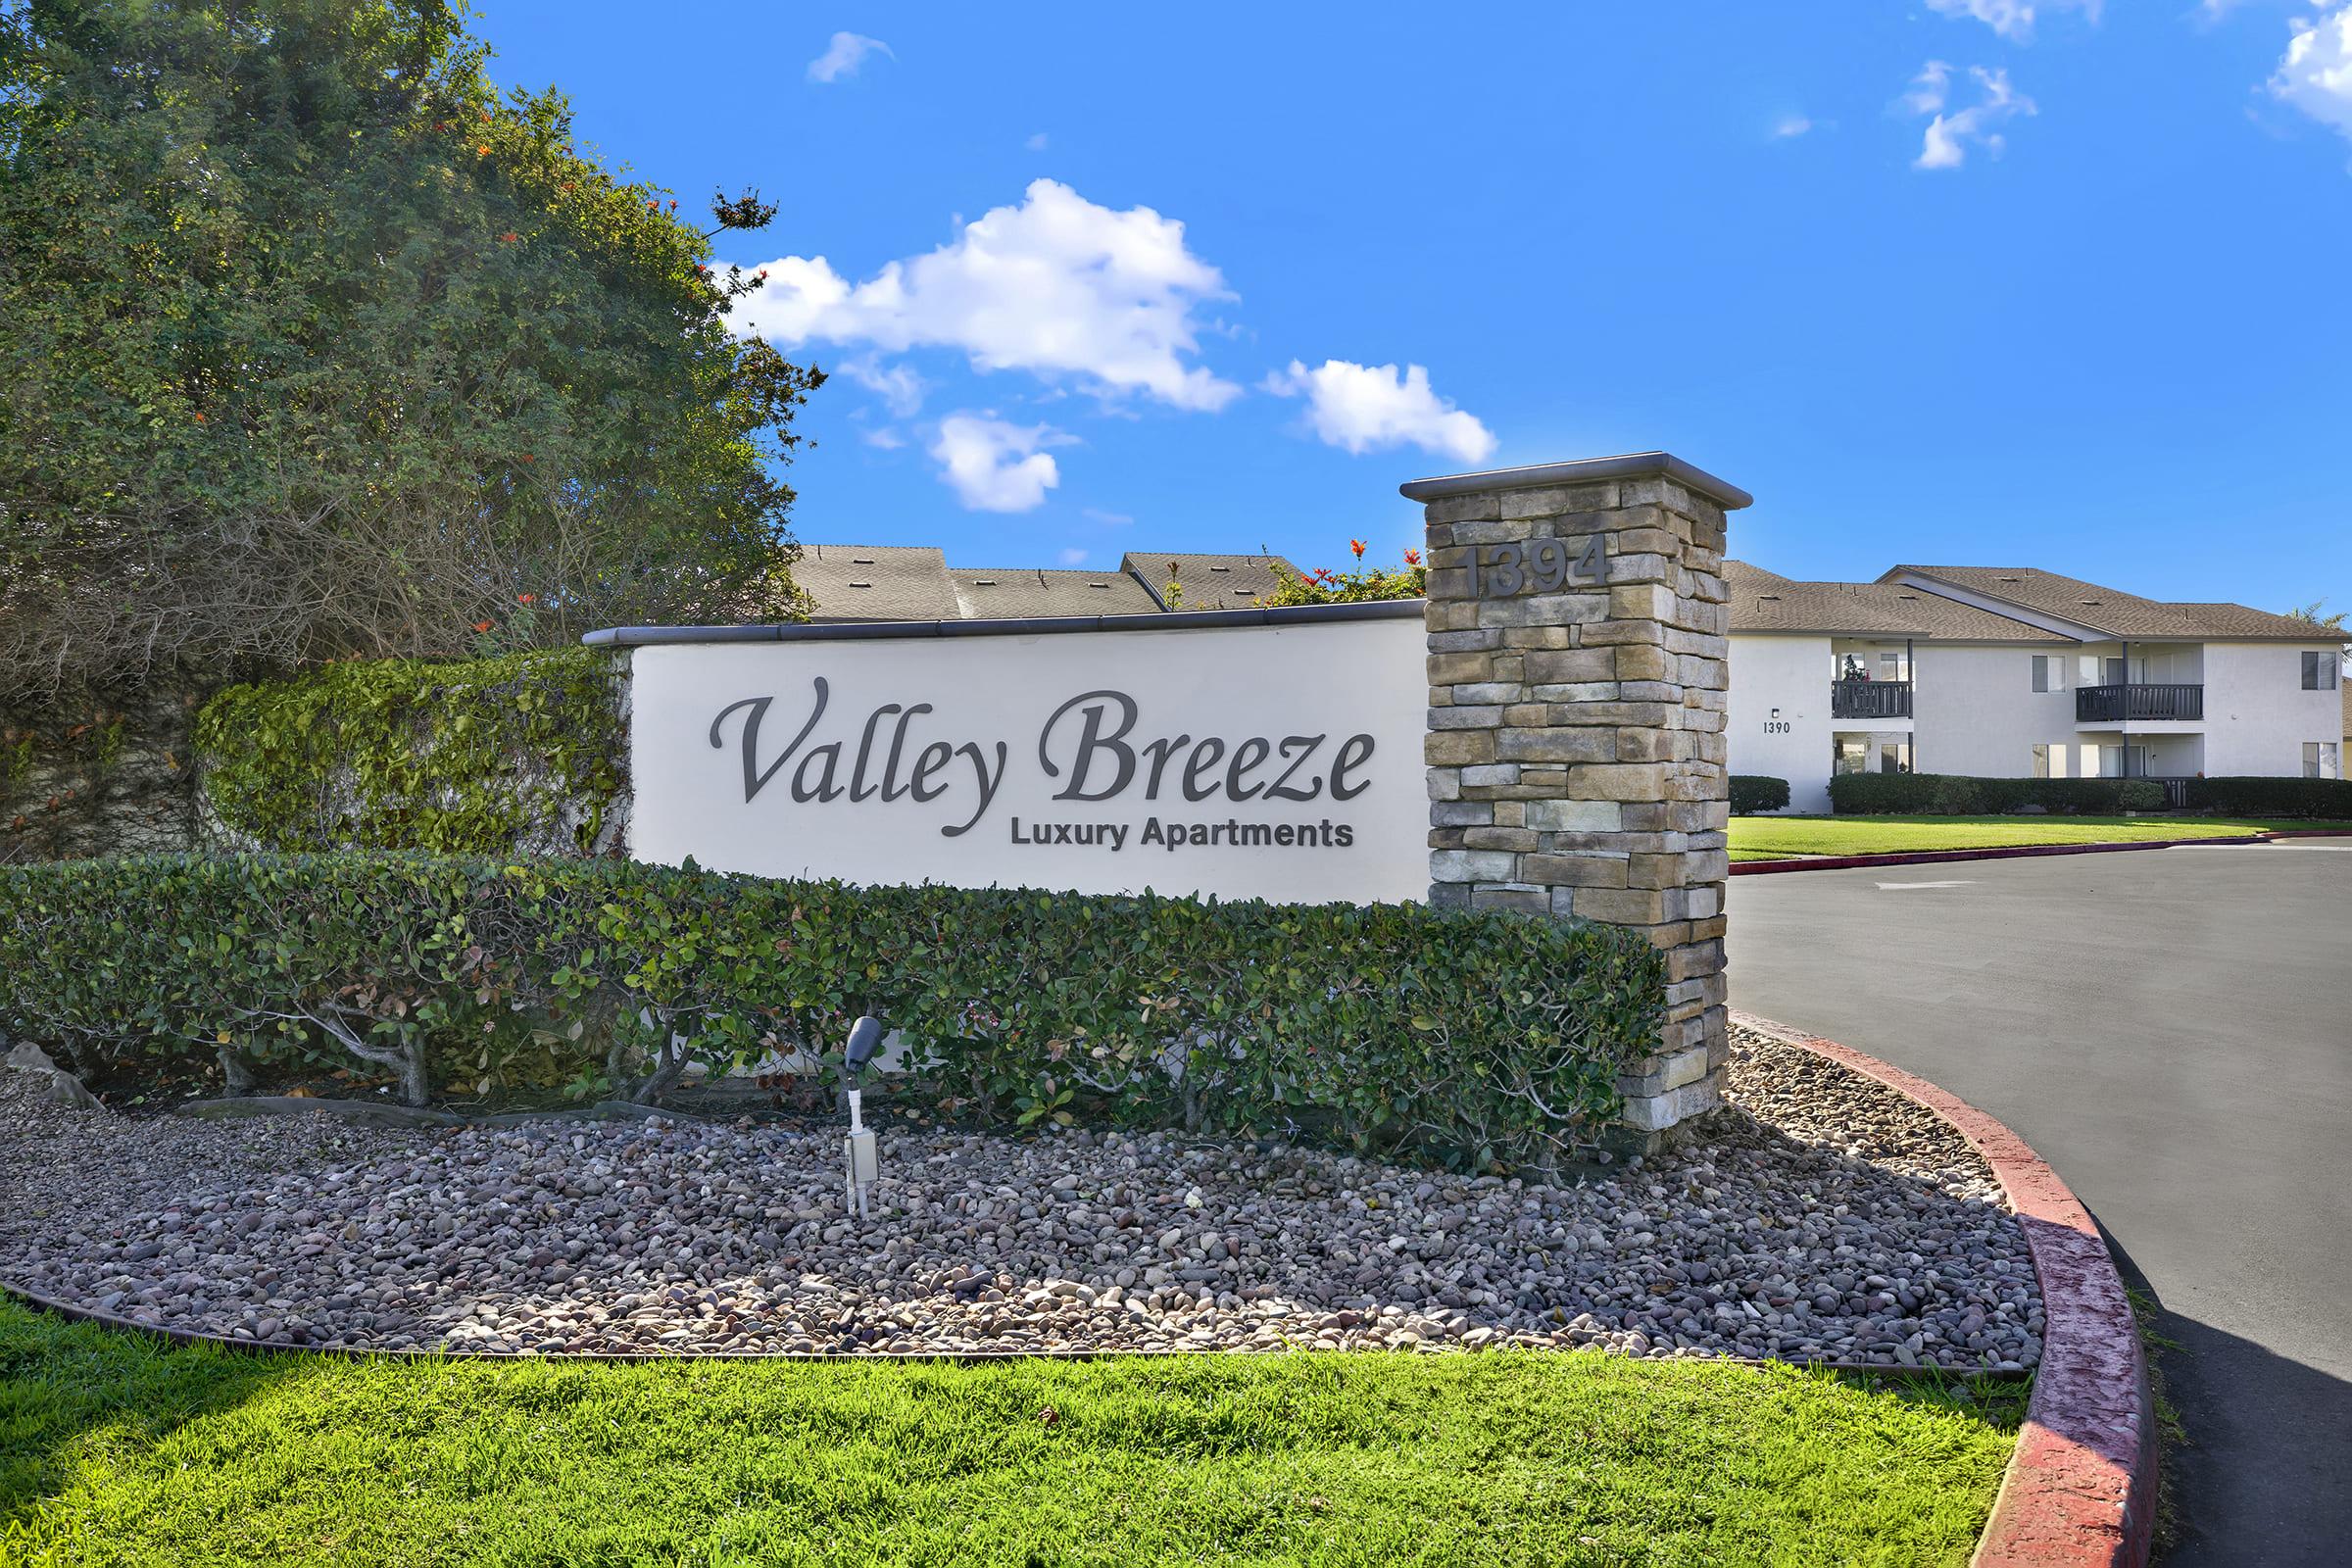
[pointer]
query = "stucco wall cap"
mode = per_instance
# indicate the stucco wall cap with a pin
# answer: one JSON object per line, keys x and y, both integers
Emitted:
{"x": 852, "y": 631}
{"x": 1633, "y": 465}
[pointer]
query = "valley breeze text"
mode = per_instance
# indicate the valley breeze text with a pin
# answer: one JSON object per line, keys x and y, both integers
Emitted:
{"x": 897, "y": 754}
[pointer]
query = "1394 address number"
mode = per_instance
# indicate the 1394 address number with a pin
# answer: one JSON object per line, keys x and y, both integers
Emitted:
{"x": 1543, "y": 565}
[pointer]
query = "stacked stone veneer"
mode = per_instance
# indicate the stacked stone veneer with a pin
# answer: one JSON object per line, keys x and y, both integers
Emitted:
{"x": 1576, "y": 744}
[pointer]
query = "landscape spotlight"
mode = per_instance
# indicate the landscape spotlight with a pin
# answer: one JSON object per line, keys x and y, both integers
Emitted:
{"x": 861, "y": 1161}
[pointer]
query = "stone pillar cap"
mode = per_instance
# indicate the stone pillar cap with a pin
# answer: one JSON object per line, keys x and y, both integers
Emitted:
{"x": 1633, "y": 465}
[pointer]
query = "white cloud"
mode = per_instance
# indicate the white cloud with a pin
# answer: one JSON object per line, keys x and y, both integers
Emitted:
{"x": 1054, "y": 286}
{"x": 1362, "y": 408}
{"x": 2316, "y": 77}
{"x": 1948, "y": 135}
{"x": 2013, "y": 19}
{"x": 1109, "y": 520}
{"x": 1073, "y": 558}
{"x": 884, "y": 437}
{"x": 1789, "y": 125}
{"x": 1036, "y": 143}
{"x": 844, "y": 55}
{"x": 1930, "y": 89}
{"x": 996, "y": 467}
{"x": 901, "y": 389}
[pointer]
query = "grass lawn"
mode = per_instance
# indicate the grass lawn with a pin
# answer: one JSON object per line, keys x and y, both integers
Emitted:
{"x": 1774, "y": 837}
{"x": 115, "y": 1449}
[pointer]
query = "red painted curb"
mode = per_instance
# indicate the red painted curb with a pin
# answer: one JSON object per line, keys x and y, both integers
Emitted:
{"x": 2081, "y": 1488}
{"x": 2016, "y": 852}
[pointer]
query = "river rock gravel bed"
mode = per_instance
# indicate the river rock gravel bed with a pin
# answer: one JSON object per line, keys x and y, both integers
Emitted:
{"x": 1829, "y": 1219}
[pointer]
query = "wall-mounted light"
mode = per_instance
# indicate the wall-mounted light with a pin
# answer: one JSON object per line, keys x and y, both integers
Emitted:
{"x": 1776, "y": 713}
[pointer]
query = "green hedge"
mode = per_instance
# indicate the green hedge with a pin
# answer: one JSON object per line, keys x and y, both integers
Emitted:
{"x": 1953, "y": 795}
{"x": 1465, "y": 1039}
{"x": 2324, "y": 798}
{"x": 1752, "y": 793}
{"x": 477, "y": 757}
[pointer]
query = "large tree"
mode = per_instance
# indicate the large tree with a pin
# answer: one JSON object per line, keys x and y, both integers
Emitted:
{"x": 313, "y": 345}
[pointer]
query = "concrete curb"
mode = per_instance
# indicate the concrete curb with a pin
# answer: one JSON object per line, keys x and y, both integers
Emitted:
{"x": 2018, "y": 851}
{"x": 2081, "y": 1490}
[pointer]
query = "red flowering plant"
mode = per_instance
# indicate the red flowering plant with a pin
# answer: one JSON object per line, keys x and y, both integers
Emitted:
{"x": 1352, "y": 585}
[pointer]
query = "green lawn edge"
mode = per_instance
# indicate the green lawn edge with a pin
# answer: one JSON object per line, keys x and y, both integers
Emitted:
{"x": 1773, "y": 838}
{"x": 120, "y": 1450}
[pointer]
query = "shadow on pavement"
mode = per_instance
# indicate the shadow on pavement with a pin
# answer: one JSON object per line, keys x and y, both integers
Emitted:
{"x": 2263, "y": 1475}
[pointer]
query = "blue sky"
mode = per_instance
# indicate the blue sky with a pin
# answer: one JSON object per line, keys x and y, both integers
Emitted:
{"x": 1972, "y": 281}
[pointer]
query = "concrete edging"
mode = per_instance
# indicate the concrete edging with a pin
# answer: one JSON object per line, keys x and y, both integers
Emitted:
{"x": 2015, "y": 851}
{"x": 2081, "y": 1488}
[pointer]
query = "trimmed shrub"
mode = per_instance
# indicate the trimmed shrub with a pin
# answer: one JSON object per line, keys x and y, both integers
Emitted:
{"x": 1953, "y": 795}
{"x": 521, "y": 753}
{"x": 1472, "y": 1040}
{"x": 2083, "y": 796}
{"x": 1754, "y": 793}
{"x": 1906, "y": 795}
{"x": 2324, "y": 798}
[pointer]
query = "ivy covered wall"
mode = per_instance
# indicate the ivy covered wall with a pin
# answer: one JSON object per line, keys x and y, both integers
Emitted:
{"x": 87, "y": 772}
{"x": 522, "y": 754}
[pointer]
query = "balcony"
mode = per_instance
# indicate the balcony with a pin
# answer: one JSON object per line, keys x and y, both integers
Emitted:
{"x": 2115, "y": 705}
{"x": 1870, "y": 699}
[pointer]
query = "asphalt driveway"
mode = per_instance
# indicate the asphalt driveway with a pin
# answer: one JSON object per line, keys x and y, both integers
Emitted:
{"x": 2172, "y": 1029}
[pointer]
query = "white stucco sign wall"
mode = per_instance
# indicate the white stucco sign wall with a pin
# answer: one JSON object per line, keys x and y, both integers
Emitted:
{"x": 1273, "y": 761}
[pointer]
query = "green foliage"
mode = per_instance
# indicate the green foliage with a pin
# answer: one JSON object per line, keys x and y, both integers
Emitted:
{"x": 1955, "y": 794}
{"x": 482, "y": 757}
{"x": 1752, "y": 793}
{"x": 1356, "y": 585}
{"x": 2327, "y": 797}
{"x": 319, "y": 347}
{"x": 118, "y": 1449}
{"x": 1466, "y": 1038}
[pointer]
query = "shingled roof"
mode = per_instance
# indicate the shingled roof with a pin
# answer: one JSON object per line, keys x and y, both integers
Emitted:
{"x": 1013, "y": 593}
{"x": 2110, "y": 611}
{"x": 1764, "y": 602}
{"x": 1210, "y": 582}
{"x": 876, "y": 582}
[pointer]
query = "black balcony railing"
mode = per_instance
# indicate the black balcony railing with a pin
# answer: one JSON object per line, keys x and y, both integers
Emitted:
{"x": 1870, "y": 699}
{"x": 2115, "y": 704}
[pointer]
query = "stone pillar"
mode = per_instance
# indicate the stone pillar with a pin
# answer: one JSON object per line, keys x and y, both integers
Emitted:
{"x": 1577, "y": 654}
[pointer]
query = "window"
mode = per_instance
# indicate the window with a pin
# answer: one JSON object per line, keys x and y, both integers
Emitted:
{"x": 2049, "y": 672}
{"x": 2318, "y": 673}
{"x": 2120, "y": 761}
{"x": 2322, "y": 759}
{"x": 2042, "y": 756}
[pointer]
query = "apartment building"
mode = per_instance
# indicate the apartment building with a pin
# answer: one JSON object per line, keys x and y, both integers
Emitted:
{"x": 1988, "y": 671}
{"x": 2011, "y": 673}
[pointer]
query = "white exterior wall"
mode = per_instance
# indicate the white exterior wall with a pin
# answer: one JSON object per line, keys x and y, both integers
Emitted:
{"x": 2257, "y": 713}
{"x": 1791, "y": 673}
{"x": 1977, "y": 712}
